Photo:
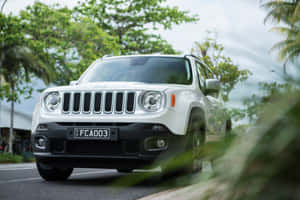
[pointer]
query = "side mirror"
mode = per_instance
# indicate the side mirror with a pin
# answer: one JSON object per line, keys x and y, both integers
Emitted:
{"x": 72, "y": 83}
{"x": 212, "y": 86}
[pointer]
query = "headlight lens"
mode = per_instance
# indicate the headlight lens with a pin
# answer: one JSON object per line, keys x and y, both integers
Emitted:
{"x": 52, "y": 101}
{"x": 152, "y": 101}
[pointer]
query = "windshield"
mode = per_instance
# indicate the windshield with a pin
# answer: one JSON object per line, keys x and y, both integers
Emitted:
{"x": 164, "y": 70}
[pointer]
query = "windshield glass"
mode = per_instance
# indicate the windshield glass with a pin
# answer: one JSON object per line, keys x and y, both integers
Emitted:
{"x": 166, "y": 70}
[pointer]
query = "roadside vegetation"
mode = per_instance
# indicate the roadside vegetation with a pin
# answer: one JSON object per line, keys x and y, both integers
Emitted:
{"x": 13, "y": 158}
{"x": 10, "y": 158}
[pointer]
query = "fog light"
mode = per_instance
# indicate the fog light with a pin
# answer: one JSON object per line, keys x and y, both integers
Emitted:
{"x": 155, "y": 144}
{"x": 40, "y": 143}
{"x": 160, "y": 143}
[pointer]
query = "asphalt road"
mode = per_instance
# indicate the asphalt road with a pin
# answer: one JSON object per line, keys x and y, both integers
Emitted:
{"x": 23, "y": 182}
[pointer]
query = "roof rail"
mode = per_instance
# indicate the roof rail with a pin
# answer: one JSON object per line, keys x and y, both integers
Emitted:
{"x": 196, "y": 57}
{"x": 192, "y": 55}
{"x": 107, "y": 56}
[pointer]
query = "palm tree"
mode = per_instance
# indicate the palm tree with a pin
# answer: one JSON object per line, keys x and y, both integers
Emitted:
{"x": 18, "y": 63}
{"x": 289, "y": 49}
{"x": 281, "y": 10}
{"x": 286, "y": 12}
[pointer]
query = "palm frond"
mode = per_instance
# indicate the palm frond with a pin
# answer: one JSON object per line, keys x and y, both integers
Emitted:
{"x": 279, "y": 11}
{"x": 296, "y": 13}
{"x": 293, "y": 48}
{"x": 287, "y": 31}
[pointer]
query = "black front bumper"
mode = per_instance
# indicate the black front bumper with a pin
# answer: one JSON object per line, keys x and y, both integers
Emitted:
{"x": 128, "y": 151}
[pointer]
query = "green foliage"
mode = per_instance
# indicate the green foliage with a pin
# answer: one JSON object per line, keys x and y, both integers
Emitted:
{"x": 18, "y": 62}
{"x": 67, "y": 43}
{"x": 271, "y": 93}
{"x": 211, "y": 52}
{"x": 10, "y": 158}
{"x": 236, "y": 114}
{"x": 271, "y": 168}
{"x": 262, "y": 164}
{"x": 134, "y": 21}
{"x": 241, "y": 129}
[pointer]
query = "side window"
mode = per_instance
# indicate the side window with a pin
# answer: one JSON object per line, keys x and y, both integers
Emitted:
{"x": 201, "y": 75}
{"x": 210, "y": 74}
{"x": 205, "y": 73}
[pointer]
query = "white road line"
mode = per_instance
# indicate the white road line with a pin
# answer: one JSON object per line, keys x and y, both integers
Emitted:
{"x": 19, "y": 180}
{"x": 38, "y": 178}
{"x": 13, "y": 169}
{"x": 5, "y": 167}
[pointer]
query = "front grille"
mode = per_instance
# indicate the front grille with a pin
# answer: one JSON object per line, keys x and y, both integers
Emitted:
{"x": 99, "y": 102}
{"x": 57, "y": 145}
{"x": 94, "y": 148}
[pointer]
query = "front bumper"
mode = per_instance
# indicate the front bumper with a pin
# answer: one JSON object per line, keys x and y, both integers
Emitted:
{"x": 128, "y": 151}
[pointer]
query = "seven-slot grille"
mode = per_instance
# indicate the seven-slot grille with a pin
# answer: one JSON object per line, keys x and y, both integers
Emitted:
{"x": 99, "y": 102}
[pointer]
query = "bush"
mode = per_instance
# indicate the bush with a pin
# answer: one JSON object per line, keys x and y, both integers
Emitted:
{"x": 10, "y": 158}
{"x": 28, "y": 157}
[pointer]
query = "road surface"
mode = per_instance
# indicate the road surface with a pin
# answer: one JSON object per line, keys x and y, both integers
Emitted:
{"x": 23, "y": 182}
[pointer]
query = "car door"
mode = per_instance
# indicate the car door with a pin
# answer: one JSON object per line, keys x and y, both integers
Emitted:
{"x": 210, "y": 108}
{"x": 219, "y": 119}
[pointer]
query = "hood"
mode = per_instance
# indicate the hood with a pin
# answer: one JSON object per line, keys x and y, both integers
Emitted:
{"x": 118, "y": 86}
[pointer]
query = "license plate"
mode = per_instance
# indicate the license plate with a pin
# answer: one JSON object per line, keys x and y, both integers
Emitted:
{"x": 92, "y": 133}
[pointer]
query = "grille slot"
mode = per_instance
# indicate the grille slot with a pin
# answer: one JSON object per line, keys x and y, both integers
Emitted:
{"x": 119, "y": 102}
{"x": 87, "y": 102}
{"x": 99, "y": 102}
{"x": 66, "y": 104}
{"x": 108, "y": 102}
{"x": 130, "y": 102}
{"x": 76, "y": 105}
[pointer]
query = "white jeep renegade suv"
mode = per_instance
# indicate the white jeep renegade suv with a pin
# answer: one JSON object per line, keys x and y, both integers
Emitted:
{"x": 126, "y": 113}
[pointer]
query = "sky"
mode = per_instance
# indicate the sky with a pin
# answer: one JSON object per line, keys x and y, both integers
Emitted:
{"x": 240, "y": 27}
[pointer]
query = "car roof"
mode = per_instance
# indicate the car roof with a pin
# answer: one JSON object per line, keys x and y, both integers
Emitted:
{"x": 143, "y": 55}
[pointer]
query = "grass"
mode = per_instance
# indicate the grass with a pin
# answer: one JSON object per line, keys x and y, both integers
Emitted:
{"x": 10, "y": 158}
{"x": 13, "y": 158}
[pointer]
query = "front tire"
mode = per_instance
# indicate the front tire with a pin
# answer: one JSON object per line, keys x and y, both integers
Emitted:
{"x": 196, "y": 140}
{"x": 188, "y": 161}
{"x": 49, "y": 173}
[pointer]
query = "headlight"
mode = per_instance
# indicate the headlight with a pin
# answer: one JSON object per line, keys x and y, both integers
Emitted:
{"x": 52, "y": 101}
{"x": 151, "y": 101}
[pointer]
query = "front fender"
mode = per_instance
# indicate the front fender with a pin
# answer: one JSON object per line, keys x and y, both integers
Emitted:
{"x": 186, "y": 101}
{"x": 35, "y": 118}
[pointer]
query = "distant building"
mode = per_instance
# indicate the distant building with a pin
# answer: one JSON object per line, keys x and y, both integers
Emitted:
{"x": 22, "y": 130}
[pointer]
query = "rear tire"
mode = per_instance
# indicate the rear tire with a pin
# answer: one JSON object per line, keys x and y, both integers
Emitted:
{"x": 228, "y": 127}
{"x": 49, "y": 173}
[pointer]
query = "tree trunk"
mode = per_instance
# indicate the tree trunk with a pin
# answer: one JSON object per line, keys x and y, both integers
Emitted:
{"x": 3, "y": 4}
{"x": 12, "y": 110}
